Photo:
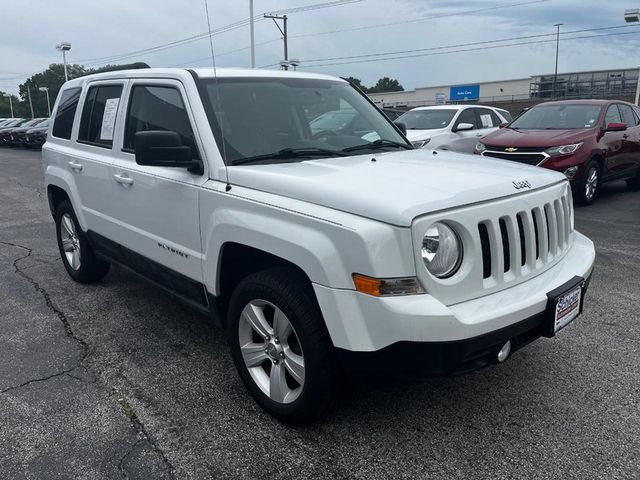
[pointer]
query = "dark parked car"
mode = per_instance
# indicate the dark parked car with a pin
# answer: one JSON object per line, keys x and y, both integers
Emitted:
{"x": 7, "y": 127}
{"x": 35, "y": 137}
{"x": 590, "y": 141}
{"x": 17, "y": 135}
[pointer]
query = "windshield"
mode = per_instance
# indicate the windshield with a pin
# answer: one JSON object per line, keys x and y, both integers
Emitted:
{"x": 558, "y": 117}
{"x": 15, "y": 122}
{"x": 427, "y": 119}
{"x": 264, "y": 117}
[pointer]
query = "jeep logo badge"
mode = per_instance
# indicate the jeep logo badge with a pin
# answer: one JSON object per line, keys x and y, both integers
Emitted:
{"x": 520, "y": 184}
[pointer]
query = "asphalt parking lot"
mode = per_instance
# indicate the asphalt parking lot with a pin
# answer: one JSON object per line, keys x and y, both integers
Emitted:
{"x": 116, "y": 380}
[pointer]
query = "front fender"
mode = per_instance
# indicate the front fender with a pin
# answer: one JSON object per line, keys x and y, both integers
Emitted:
{"x": 329, "y": 246}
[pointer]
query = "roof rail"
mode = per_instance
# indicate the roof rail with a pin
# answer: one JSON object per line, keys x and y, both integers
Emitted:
{"x": 128, "y": 66}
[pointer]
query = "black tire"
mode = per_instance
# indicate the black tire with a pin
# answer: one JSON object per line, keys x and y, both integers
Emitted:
{"x": 633, "y": 183}
{"x": 586, "y": 190}
{"x": 91, "y": 269}
{"x": 290, "y": 291}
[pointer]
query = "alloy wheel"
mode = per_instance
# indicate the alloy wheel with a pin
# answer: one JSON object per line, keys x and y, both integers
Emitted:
{"x": 591, "y": 184}
{"x": 271, "y": 351}
{"x": 70, "y": 242}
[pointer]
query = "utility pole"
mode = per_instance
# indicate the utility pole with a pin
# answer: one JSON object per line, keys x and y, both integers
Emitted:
{"x": 253, "y": 41}
{"x": 283, "y": 31}
{"x": 10, "y": 102}
{"x": 30, "y": 102}
{"x": 555, "y": 75}
{"x": 46, "y": 89}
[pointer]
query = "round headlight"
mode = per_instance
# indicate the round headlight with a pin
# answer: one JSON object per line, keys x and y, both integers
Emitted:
{"x": 441, "y": 250}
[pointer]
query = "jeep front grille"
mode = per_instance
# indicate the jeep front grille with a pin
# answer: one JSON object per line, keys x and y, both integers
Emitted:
{"x": 517, "y": 244}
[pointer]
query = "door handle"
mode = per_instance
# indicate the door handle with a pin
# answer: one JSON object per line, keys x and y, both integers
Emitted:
{"x": 123, "y": 179}
{"x": 75, "y": 165}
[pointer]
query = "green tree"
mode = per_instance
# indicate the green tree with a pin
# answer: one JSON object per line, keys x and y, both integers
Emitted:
{"x": 386, "y": 84}
{"x": 52, "y": 78}
{"x": 5, "y": 107}
{"x": 357, "y": 82}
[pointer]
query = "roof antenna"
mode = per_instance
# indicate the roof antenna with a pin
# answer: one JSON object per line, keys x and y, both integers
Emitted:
{"x": 215, "y": 76}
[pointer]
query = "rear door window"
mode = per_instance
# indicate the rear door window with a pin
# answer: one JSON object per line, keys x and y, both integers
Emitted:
{"x": 99, "y": 113}
{"x": 487, "y": 118}
{"x": 63, "y": 123}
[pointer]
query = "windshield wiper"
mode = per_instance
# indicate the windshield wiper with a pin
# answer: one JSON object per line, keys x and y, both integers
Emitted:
{"x": 378, "y": 144}
{"x": 286, "y": 153}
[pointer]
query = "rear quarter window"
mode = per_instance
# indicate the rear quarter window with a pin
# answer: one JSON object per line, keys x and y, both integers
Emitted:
{"x": 63, "y": 122}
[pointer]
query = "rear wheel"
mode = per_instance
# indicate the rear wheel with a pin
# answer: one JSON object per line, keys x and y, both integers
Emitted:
{"x": 280, "y": 345}
{"x": 77, "y": 255}
{"x": 589, "y": 185}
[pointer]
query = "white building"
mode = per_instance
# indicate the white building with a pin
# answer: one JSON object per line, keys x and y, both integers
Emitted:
{"x": 591, "y": 84}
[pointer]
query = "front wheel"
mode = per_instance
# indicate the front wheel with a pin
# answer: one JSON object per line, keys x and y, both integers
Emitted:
{"x": 280, "y": 345}
{"x": 589, "y": 185}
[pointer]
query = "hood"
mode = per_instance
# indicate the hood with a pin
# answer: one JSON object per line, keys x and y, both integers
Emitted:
{"x": 415, "y": 135}
{"x": 509, "y": 137}
{"x": 398, "y": 186}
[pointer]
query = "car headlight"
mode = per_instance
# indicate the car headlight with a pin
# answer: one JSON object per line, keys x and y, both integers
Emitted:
{"x": 441, "y": 250}
{"x": 564, "y": 149}
{"x": 480, "y": 147}
{"x": 421, "y": 143}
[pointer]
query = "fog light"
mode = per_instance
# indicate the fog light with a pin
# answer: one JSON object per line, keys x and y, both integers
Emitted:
{"x": 570, "y": 172}
{"x": 504, "y": 352}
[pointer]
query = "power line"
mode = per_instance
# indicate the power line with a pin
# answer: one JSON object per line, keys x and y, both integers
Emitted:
{"x": 468, "y": 49}
{"x": 203, "y": 35}
{"x": 525, "y": 37}
{"x": 416, "y": 20}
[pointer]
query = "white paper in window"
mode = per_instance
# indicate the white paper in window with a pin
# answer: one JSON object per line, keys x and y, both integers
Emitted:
{"x": 109, "y": 118}
{"x": 486, "y": 120}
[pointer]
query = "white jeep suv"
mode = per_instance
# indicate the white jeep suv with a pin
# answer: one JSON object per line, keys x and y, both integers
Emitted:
{"x": 311, "y": 248}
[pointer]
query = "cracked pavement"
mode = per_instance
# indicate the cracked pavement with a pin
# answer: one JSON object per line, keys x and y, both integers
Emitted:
{"x": 116, "y": 380}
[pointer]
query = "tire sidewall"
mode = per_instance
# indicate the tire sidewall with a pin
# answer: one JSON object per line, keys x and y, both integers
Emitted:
{"x": 80, "y": 274}
{"x": 316, "y": 352}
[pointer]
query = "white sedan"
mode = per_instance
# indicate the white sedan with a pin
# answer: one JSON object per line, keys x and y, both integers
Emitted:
{"x": 452, "y": 127}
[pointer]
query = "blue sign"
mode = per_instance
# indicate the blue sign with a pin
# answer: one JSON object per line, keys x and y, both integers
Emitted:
{"x": 465, "y": 92}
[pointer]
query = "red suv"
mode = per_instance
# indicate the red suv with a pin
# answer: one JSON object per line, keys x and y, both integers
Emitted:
{"x": 590, "y": 141}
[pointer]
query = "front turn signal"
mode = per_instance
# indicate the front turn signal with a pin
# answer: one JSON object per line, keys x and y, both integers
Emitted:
{"x": 387, "y": 287}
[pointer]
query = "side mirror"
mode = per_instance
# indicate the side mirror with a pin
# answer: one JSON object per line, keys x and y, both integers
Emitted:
{"x": 616, "y": 127}
{"x": 163, "y": 148}
{"x": 464, "y": 126}
{"x": 402, "y": 127}
{"x": 503, "y": 124}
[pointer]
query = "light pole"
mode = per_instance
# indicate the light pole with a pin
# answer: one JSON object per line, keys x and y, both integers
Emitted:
{"x": 555, "y": 75}
{"x": 253, "y": 42}
{"x": 46, "y": 89}
{"x": 630, "y": 16}
{"x": 10, "y": 102}
{"x": 64, "y": 47}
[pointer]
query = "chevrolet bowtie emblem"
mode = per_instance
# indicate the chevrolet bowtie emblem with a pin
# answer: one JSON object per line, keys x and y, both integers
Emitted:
{"x": 510, "y": 149}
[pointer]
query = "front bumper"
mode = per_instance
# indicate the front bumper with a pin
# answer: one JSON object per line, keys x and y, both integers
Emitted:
{"x": 362, "y": 323}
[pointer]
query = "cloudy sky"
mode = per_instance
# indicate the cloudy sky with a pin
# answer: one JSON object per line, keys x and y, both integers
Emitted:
{"x": 322, "y": 38}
